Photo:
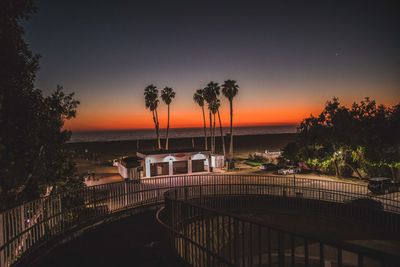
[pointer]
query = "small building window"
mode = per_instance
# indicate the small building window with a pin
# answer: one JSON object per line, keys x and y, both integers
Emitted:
{"x": 198, "y": 165}
{"x": 180, "y": 167}
{"x": 158, "y": 169}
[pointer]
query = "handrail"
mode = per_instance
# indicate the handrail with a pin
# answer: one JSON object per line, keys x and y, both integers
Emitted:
{"x": 184, "y": 212}
{"x": 27, "y": 226}
{"x": 189, "y": 240}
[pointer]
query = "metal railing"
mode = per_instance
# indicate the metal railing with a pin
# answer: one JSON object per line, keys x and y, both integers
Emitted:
{"x": 205, "y": 234}
{"x": 26, "y": 227}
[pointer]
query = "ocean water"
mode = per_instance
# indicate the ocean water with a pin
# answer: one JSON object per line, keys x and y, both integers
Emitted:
{"x": 117, "y": 135}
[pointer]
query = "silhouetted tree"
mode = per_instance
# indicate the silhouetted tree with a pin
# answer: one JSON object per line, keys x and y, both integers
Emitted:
{"x": 380, "y": 128}
{"x": 199, "y": 99}
{"x": 211, "y": 93}
{"x": 230, "y": 89}
{"x": 33, "y": 156}
{"x": 151, "y": 103}
{"x": 220, "y": 128}
{"x": 167, "y": 94}
{"x": 361, "y": 139}
{"x": 214, "y": 107}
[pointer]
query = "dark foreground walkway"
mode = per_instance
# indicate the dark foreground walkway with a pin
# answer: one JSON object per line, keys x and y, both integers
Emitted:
{"x": 135, "y": 241}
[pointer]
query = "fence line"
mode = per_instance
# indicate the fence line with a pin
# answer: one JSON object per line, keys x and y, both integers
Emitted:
{"x": 204, "y": 234}
{"x": 27, "y": 226}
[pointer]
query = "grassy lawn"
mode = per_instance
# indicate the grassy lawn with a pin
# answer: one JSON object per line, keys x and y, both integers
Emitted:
{"x": 254, "y": 163}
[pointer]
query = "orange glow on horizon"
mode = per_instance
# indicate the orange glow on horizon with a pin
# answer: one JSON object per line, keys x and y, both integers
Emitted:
{"x": 123, "y": 112}
{"x": 188, "y": 119}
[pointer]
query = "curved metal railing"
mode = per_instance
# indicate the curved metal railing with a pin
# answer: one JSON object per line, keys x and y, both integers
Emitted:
{"x": 205, "y": 234}
{"x": 26, "y": 227}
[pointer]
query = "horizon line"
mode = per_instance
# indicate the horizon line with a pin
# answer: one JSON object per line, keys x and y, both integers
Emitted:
{"x": 189, "y": 127}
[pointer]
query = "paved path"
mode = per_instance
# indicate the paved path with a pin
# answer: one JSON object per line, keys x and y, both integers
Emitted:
{"x": 135, "y": 241}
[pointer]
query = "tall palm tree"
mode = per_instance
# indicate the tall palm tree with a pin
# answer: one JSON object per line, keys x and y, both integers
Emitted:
{"x": 198, "y": 97}
{"x": 213, "y": 107}
{"x": 220, "y": 128}
{"x": 230, "y": 89}
{"x": 151, "y": 103}
{"x": 211, "y": 93}
{"x": 167, "y": 94}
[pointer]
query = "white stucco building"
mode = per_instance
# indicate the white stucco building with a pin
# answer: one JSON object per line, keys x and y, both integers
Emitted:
{"x": 173, "y": 162}
{"x": 130, "y": 168}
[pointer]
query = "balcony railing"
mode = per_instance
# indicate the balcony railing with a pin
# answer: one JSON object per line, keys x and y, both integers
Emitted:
{"x": 25, "y": 228}
{"x": 205, "y": 234}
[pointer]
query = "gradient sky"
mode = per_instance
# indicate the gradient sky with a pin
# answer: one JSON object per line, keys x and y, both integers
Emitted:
{"x": 288, "y": 57}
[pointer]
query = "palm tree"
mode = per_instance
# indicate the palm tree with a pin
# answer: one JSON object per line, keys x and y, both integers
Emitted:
{"x": 211, "y": 93}
{"x": 198, "y": 97}
{"x": 151, "y": 102}
{"x": 230, "y": 89}
{"x": 167, "y": 94}
{"x": 213, "y": 107}
{"x": 220, "y": 128}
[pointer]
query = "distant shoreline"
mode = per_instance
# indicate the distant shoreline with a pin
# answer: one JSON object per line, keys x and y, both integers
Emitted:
{"x": 129, "y": 135}
{"x": 243, "y": 144}
{"x": 182, "y": 128}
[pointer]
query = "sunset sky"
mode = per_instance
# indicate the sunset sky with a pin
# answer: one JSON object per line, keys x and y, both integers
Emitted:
{"x": 288, "y": 57}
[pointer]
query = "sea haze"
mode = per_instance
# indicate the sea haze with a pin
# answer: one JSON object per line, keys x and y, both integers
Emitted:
{"x": 135, "y": 134}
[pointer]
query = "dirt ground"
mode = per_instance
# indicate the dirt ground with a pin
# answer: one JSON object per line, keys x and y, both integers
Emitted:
{"x": 105, "y": 173}
{"x": 105, "y": 152}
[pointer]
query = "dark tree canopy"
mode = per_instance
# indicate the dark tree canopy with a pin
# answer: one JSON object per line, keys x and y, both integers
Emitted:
{"x": 33, "y": 157}
{"x": 363, "y": 140}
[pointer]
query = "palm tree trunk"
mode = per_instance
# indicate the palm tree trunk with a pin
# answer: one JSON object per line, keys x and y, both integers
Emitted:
{"x": 355, "y": 169}
{"x": 214, "y": 131}
{"x": 211, "y": 136}
{"x": 166, "y": 141}
{"x": 337, "y": 171}
{"x": 205, "y": 127}
{"x": 155, "y": 123}
{"x": 231, "y": 130}
{"x": 222, "y": 134}
{"x": 157, "y": 130}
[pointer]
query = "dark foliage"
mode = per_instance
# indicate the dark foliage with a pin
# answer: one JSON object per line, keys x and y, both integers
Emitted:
{"x": 361, "y": 140}
{"x": 32, "y": 140}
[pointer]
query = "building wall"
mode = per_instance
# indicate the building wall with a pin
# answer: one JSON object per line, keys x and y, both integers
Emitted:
{"x": 172, "y": 158}
{"x": 128, "y": 173}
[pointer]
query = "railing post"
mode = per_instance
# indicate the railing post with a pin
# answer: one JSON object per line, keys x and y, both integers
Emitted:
{"x": 306, "y": 253}
{"x": 2, "y": 240}
{"x": 360, "y": 260}
{"x": 94, "y": 197}
{"x": 126, "y": 194}
{"x": 339, "y": 257}
{"x": 281, "y": 251}
{"x": 321, "y": 255}
{"x": 235, "y": 241}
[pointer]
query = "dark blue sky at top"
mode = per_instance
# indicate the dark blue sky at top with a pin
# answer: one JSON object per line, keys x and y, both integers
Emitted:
{"x": 100, "y": 47}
